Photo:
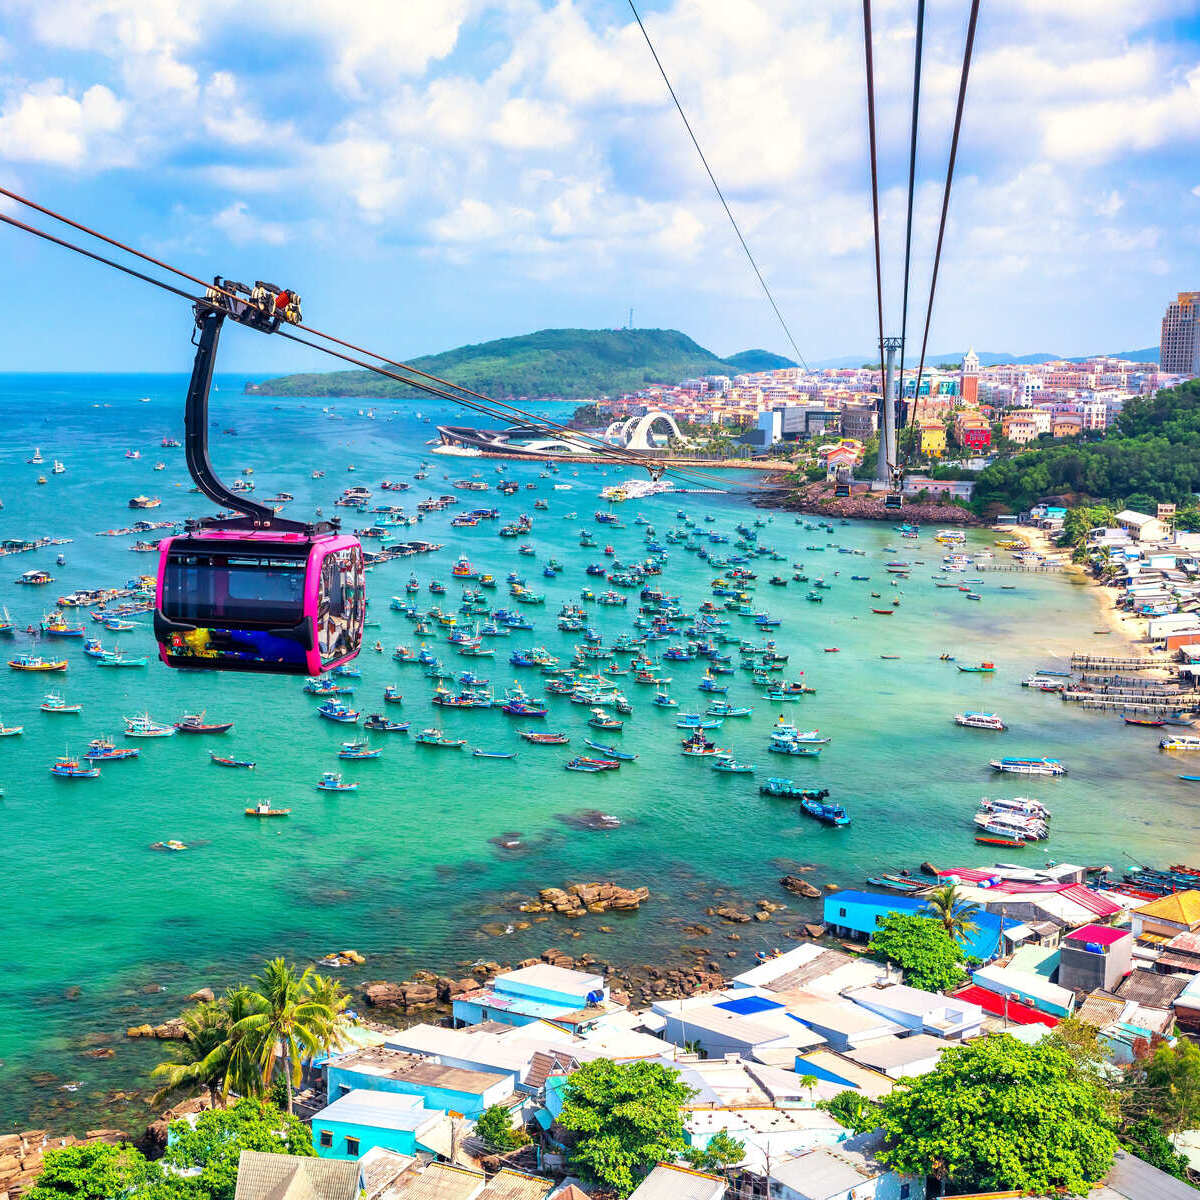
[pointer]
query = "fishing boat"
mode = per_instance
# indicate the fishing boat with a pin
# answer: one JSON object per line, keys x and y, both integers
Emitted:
{"x": 358, "y": 749}
{"x": 983, "y": 668}
{"x": 53, "y": 702}
{"x": 788, "y": 789}
{"x": 334, "y": 710}
{"x": 435, "y": 737}
{"x": 544, "y": 739}
{"x": 223, "y": 761}
{"x": 979, "y": 720}
{"x": 492, "y": 753}
{"x": 1148, "y": 722}
{"x": 195, "y": 723}
{"x": 67, "y": 767}
{"x": 722, "y": 708}
{"x": 263, "y": 809}
{"x": 381, "y": 724}
{"x": 392, "y": 695}
{"x": 1179, "y": 742}
{"x": 331, "y": 781}
{"x": 583, "y": 764}
{"x": 103, "y": 749}
{"x": 610, "y": 751}
{"x": 31, "y": 662}
{"x": 602, "y": 720}
{"x": 829, "y": 814}
{"x": 173, "y": 846}
{"x": 1036, "y": 766}
{"x": 727, "y": 763}
{"x": 115, "y": 658}
{"x": 55, "y": 625}
{"x": 995, "y": 839}
{"x": 142, "y": 726}
{"x": 35, "y": 578}
{"x": 11, "y": 730}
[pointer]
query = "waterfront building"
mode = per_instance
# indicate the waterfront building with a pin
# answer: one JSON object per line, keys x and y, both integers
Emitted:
{"x": 972, "y": 431}
{"x": 1027, "y": 988}
{"x": 747, "y": 1022}
{"x": 1141, "y": 526}
{"x": 362, "y": 1120}
{"x": 933, "y": 438}
{"x": 857, "y": 915}
{"x": 812, "y": 968}
{"x": 1095, "y": 956}
{"x": 574, "y": 1000}
{"x": 1179, "y": 347}
{"x": 1161, "y": 920}
{"x": 449, "y": 1089}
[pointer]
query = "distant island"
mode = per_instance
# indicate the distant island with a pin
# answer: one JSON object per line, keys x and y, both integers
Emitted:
{"x": 568, "y": 364}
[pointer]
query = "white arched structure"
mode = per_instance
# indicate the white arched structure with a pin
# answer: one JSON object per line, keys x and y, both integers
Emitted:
{"x": 634, "y": 432}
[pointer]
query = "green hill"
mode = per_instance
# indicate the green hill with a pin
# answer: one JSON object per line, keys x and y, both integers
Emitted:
{"x": 571, "y": 364}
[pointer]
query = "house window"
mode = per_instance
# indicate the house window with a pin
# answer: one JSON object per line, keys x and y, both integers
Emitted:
{"x": 352, "y": 1147}
{"x": 327, "y": 1139}
{"x": 904, "y": 1190}
{"x": 841, "y": 912}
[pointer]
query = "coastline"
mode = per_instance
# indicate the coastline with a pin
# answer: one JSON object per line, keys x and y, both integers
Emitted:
{"x": 1129, "y": 631}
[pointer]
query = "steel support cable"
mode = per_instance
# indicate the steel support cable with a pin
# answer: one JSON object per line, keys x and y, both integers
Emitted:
{"x": 501, "y": 410}
{"x": 958, "y": 116}
{"x": 870, "y": 59}
{"x": 912, "y": 183}
{"x": 615, "y": 454}
{"x": 717, "y": 187}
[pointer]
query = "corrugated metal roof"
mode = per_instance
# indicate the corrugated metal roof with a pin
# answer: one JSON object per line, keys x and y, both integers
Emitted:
{"x": 1150, "y": 988}
{"x": 283, "y": 1176}
{"x": 1183, "y": 908}
{"x": 668, "y": 1182}
{"x": 515, "y": 1185}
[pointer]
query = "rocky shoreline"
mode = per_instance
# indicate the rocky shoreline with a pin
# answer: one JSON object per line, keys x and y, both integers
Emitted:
{"x": 819, "y": 500}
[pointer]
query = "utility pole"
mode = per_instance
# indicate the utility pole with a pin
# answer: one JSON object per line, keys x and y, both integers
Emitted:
{"x": 888, "y": 456}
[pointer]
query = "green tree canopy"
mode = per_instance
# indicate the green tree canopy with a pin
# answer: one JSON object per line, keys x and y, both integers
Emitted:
{"x": 1166, "y": 1085}
{"x": 721, "y": 1153}
{"x": 929, "y": 957}
{"x": 625, "y": 1117}
{"x": 998, "y": 1115}
{"x": 97, "y": 1171}
{"x": 221, "y": 1134}
{"x": 494, "y": 1125}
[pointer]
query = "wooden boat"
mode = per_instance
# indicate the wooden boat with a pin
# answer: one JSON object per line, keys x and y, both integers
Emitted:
{"x": 358, "y": 750}
{"x": 195, "y": 723}
{"x": 11, "y": 730}
{"x": 991, "y": 839}
{"x": 581, "y": 764}
{"x": 31, "y": 662}
{"x": 984, "y": 668}
{"x": 788, "y": 789}
{"x": 54, "y": 703}
{"x": 1148, "y": 722}
{"x": 610, "y": 751}
{"x": 223, "y": 761}
{"x": 883, "y": 612}
{"x": 265, "y": 810}
{"x": 103, "y": 749}
{"x": 142, "y": 726}
{"x": 544, "y": 739}
{"x": 381, "y": 724}
{"x": 491, "y": 754}
{"x": 67, "y": 767}
{"x": 727, "y": 763}
{"x": 173, "y": 846}
{"x": 435, "y": 737}
{"x": 331, "y": 781}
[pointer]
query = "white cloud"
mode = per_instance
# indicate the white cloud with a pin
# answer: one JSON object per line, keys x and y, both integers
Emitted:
{"x": 242, "y": 228}
{"x": 49, "y": 125}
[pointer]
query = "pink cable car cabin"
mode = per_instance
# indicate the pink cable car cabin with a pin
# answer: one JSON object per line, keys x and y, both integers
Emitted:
{"x": 285, "y": 603}
{"x": 252, "y": 592}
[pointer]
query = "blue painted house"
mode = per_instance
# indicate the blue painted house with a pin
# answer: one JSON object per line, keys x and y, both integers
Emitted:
{"x": 859, "y": 914}
{"x": 442, "y": 1088}
{"x": 360, "y": 1121}
{"x": 573, "y": 1000}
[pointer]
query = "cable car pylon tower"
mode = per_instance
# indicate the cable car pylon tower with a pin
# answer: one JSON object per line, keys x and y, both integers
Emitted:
{"x": 887, "y": 468}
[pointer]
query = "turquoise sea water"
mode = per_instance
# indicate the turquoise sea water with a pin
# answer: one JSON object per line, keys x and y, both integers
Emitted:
{"x": 403, "y": 870}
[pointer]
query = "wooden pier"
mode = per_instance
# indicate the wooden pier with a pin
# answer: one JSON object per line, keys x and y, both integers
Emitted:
{"x": 1101, "y": 662}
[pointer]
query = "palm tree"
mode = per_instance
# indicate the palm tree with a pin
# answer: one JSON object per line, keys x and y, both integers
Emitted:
{"x": 286, "y": 1023}
{"x": 211, "y": 1055}
{"x": 957, "y": 915}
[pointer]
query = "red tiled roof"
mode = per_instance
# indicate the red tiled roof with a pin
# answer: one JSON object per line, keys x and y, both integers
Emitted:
{"x": 1018, "y": 1012}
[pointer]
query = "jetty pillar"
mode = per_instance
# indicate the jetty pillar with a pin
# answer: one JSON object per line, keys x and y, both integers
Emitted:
{"x": 888, "y": 455}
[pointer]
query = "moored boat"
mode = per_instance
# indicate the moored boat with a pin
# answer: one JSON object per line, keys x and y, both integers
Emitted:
{"x": 1035, "y": 766}
{"x": 224, "y": 761}
{"x": 195, "y": 723}
{"x": 142, "y": 726}
{"x": 263, "y": 809}
{"x": 67, "y": 767}
{"x": 979, "y": 720}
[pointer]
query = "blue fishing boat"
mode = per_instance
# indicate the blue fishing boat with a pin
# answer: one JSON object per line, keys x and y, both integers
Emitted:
{"x": 830, "y": 814}
{"x": 380, "y": 723}
{"x": 334, "y": 710}
{"x": 331, "y": 781}
{"x": 71, "y": 768}
{"x": 223, "y": 760}
{"x": 727, "y": 763}
{"x": 584, "y": 764}
{"x": 492, "y": 753}
{"x": 788, "y": 789}
{"x": 105, "y": 750}
{"x": 358, "y": 749}
{"x": 610, "y": 751}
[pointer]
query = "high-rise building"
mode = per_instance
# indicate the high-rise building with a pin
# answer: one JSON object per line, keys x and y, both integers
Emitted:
{"x": 1179, "y": 349}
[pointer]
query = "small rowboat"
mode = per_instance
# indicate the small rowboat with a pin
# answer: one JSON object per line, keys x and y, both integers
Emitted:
{"x": 1149, "y": 722}
{"x": 491, "y": 754}
{"x": 357, "y": 750}
{"x": 990, "y": 840}
{"x": 11, "y": 730}
{"x": 883, "y": 612}
{"x": 582, "y": 764}
{"x": 222, "y": 761}
{"x": 265, "y": 810}
{"x": 1190, "y": 778}
{"x": 544, "y": 739}
{"x": 610, "y": 751}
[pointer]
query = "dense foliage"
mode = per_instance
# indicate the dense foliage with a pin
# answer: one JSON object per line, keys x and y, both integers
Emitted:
{"x": 998, "y": 1115}
{"x": 625, "y": 1117}
{"x": 209, "y": 1152}
{"x": 721, "y": 1153}
{"x": 566, "y": 363}
{"x": 1152, "y": 454}
{"x": 93, "y": 1172}
{"x": 1165, "y": 1085}
{"x": 220, "y": 1135}
{"x": 929, "y": 957}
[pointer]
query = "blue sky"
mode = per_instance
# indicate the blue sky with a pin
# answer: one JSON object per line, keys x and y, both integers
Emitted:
{"x": 433, "y": 172}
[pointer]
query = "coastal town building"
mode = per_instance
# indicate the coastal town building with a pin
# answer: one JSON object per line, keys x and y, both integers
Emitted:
{"x": 572, "y": 999}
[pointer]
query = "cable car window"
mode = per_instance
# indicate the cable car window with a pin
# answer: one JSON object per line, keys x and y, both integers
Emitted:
{"x": 340, "y": 605}
{"x": 207, "y": 588}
